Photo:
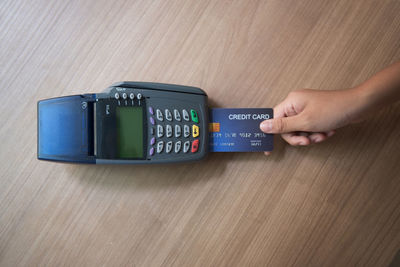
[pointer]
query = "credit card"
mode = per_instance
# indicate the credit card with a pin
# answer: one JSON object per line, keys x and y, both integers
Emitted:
{"x": 238, "y": 130}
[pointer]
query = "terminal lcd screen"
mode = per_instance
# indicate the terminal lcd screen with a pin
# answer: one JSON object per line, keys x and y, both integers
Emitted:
{"x": 130, "y": 132}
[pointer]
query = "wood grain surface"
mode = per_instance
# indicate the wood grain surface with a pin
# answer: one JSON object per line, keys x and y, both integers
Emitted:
{"x": 332, "y": 204}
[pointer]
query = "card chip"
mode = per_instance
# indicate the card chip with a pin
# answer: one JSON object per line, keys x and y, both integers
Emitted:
{"x": 214, "y": 127}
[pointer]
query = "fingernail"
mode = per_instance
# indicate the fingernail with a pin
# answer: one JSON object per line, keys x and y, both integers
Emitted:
{"x": 266, "y": 126}
{"x": 315, "y": 139}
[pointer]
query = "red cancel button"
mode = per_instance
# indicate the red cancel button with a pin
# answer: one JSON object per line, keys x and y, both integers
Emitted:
{"x": 195, "y": 145}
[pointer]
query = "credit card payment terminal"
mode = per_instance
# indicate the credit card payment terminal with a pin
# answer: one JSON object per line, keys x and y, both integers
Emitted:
{"x": 128, "y": 123}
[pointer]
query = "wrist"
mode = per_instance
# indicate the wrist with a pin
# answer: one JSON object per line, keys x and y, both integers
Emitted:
{"x": 359, "y": 101}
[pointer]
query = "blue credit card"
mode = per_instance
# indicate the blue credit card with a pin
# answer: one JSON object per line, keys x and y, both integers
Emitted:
{"x": 238, "y": 130}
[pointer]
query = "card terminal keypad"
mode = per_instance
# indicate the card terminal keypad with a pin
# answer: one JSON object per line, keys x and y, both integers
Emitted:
{"x": 169, "y": 125}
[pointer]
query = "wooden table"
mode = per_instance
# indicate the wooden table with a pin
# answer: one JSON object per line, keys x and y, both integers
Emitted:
{"x": 333, "y": 204}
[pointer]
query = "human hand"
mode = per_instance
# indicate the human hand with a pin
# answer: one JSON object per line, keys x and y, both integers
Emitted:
{"x": 311, "y": 116}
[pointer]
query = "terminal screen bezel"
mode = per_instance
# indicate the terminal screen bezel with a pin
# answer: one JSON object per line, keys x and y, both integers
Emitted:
{"x": 106, "y": 128}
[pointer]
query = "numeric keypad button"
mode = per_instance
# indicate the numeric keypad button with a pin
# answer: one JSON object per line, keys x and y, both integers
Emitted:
{"x": 168, "y": 147}
{"x": 186, "y": 130}
{"x": 178, "y": 130}
{"x": 178, "y": 146}
{"x": 159, "y": 115}
{"x": 186, "y": 146}
{"x": 185, "y": 115}
{"x": 168, "y": 115}
{"x": 177, "y": 115}
{"x": 160, "y": 131}
{"x": 160, "y": 146}
{"x": 168, "y": 130}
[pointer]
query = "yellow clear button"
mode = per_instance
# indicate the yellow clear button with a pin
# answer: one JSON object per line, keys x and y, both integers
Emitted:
{"x": 195, "y": 130}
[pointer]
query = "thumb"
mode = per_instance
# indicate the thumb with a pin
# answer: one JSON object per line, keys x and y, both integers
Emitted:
{"x": 281, "y": 125}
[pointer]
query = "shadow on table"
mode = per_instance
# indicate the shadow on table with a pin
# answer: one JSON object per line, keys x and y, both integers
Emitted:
{"x": 153, "y": 176}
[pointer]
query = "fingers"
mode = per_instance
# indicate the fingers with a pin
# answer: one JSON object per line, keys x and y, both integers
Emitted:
{"x": 285, "y": 119}
{"x": 279, "y": 110}
{"x": 330, "y": 133}
{"x": 317, "y": 137}
{"x": 295, "y": 139}
{"x": 320, "y": 137}
{"x": 305, "y": 139}
{"x": 282, "y": 125}
{"x": 292, "y": 124}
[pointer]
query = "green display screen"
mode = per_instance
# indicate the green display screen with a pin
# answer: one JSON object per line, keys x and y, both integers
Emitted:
{"x": 130, "y": 132}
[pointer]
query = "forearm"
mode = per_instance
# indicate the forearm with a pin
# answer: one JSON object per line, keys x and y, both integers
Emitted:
{"x": 380, "y": 90}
